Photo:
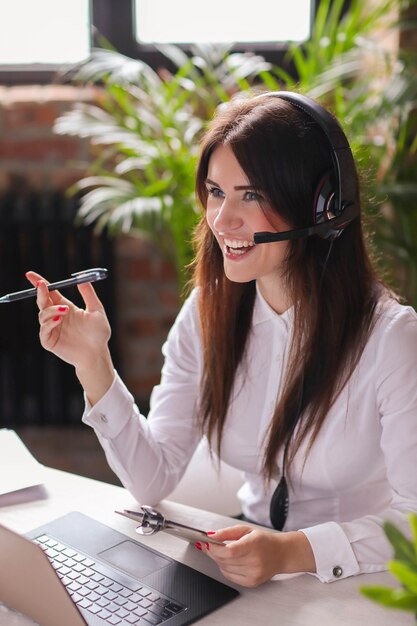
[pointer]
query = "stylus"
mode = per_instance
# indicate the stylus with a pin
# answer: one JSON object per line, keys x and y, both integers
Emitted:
{"x": 137, "y": 517}
{"x": 85, "y": 276}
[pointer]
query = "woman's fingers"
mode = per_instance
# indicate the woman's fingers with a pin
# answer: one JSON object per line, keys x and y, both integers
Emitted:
{"x": 43, "y": 298}
{"x": 46, "y": 298}
{"x": 91, "y": 300}
{"x": 46, "y": 333}
{"x": 234, "y": 549}
{"x": 50, "y": 318}
{"x": 33, "y": 277}
{"x": 232, "y": 552}
{"x": 77, "y": 335}
{"x": 235, "y": 552}
{"x": 231, "y": 533}
{"x": 52, "y": 313}
{"x": 251, "y": 559}
{"x": 54, "y": 297}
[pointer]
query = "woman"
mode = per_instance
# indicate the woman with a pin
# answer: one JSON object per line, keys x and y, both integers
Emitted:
{"x": 291, "y": 357}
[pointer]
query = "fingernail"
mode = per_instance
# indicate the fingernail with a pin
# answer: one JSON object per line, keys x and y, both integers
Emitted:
{"x": 55, "y": 319}
{"x": 62, "y": 308}
{"x": 211, "y": 532}
{"x": 198, "y": 545}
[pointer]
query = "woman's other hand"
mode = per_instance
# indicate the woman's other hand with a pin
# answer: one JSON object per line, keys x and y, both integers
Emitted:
{"x": 254, "y": 556}
{"x": 77, "y": 336}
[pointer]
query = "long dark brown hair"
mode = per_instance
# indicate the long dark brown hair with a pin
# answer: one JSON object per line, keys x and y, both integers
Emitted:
{"x": 284, "y": 154}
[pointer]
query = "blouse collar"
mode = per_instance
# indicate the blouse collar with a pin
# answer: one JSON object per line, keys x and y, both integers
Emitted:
{"x": 263, "y": 312}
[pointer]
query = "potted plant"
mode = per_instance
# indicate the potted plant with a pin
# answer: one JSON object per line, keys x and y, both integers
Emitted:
{"x": 372, "y": 89}
{"x": 146, "y": 125}
{"x": 145, "y": 129}
{"x": 403, "y": 567}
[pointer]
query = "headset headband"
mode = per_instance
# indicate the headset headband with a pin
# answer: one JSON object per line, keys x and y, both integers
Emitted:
{"x": 345, "y": 205}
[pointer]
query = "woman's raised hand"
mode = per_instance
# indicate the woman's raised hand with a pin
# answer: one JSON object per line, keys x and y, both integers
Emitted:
{"x": 77, "y": 336}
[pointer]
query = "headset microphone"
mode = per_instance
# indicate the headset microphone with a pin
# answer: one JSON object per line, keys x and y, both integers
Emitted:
{"x": 287, "y": 235}
{"x": 330, "y": 229}
{"x": 336, "y": 201}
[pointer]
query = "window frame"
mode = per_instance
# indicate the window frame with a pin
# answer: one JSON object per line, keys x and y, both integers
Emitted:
{"x": 114, "y": 21}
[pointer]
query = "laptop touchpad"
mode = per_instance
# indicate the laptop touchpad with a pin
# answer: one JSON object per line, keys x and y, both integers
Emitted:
{"x": 134, "y": 559}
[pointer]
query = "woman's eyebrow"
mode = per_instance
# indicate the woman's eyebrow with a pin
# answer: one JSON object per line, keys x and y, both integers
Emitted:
{"x": 237, "y": 187}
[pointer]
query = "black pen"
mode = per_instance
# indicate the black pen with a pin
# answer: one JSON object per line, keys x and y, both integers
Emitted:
{"x": 85, "y": 276}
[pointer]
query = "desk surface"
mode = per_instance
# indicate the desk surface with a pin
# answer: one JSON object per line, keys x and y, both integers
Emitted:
{"x": 290, "y": 601}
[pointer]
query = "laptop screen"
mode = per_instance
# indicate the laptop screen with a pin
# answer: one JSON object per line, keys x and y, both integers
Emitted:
{"x": 29, "y": 584}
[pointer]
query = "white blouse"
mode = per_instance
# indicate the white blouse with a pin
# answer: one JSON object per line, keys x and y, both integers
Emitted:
{"x": 361, "y": 470}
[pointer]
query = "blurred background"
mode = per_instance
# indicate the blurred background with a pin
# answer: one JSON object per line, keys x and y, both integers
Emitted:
{"x": 102, "y": 103}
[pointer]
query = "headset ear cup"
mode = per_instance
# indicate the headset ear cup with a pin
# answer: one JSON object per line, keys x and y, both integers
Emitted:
{"x": 323, "y": 201}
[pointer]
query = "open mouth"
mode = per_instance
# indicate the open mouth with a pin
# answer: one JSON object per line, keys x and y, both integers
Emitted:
{"x": 236, "y": 247}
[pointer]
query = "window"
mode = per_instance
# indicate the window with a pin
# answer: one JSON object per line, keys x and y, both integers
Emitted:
{"x": 38, "y": 37}
{"x": 187, "y": 21}
{"x": 44, "y": 32}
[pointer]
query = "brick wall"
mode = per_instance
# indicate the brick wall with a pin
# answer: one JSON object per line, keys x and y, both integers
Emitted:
{"x": 33, "y": 157}
{"x": 147, "y": 304}
{"x": 30, "y": 153}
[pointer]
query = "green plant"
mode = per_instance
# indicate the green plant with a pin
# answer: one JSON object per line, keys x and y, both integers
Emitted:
{"x": 372, "y": 89}
{"x": 403, "y": 567}
{"x": 146, "y": 128}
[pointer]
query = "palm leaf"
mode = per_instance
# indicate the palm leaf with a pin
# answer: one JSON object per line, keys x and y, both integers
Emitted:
{"x": 406, "y": 575}
{"x": 392, "y": 598}
{"x": 147, "y": 126}
{"x": 116, "y": 68}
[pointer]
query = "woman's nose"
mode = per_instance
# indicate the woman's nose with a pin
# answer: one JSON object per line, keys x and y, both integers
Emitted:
{"x": 227, "y": 217}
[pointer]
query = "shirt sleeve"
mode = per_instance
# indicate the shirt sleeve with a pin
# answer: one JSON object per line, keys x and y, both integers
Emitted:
{"x": 360, "y": 546}
{"x": 150, "y": 455}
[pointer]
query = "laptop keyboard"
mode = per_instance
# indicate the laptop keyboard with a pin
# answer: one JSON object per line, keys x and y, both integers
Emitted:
{"x": 104, "y": 592}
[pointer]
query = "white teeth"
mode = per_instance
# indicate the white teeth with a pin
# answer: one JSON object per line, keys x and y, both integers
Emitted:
{"x": 236, "y": 247}
{"x": 232, "y": 243}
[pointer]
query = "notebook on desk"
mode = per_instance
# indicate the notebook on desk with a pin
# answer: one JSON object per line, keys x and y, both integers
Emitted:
{"x": 77, "y": 571}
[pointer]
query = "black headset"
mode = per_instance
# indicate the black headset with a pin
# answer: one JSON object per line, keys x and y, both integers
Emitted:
{"x": 336, "y": 201}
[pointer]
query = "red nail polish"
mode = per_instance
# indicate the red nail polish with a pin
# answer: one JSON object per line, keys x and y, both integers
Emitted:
{"x": 198, "y": 545}
{"x": 56, "y": 318}
{"x": 211, "y": 532}
{"x": 62, "y": 308}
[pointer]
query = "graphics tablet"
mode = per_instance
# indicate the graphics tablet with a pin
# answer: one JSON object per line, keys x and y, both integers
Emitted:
{"x": 83, "y": 572}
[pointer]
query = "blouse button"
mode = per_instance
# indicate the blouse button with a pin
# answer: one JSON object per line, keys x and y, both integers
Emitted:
{"x": 337, "y": 571}
{"x": 103, "y": 418}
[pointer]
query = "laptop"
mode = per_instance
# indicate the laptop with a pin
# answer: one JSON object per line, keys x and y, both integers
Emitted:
{"x": 75, "y": 571}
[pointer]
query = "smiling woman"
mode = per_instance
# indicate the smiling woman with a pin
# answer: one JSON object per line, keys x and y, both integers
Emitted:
{"x": 290, "y": 357}
{"x": 234, "y": 212}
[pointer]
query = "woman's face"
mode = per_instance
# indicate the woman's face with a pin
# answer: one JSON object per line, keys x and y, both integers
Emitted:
{"x": 234, "y": 215}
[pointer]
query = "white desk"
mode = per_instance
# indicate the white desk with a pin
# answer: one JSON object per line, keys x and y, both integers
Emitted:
{"x": 293, "y": 601}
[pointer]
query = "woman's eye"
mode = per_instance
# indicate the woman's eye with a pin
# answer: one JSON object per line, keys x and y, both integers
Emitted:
{"x": 215, "y": 192}
{"x": 252, "y": 196}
